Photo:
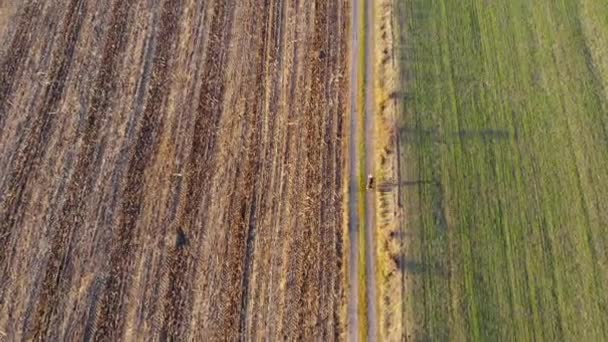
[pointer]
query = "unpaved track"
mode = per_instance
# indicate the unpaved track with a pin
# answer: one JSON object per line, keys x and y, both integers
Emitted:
{"x": 354, "y": 188}
{"x": 172, "y": 169}
{"x": 370, "y": 208}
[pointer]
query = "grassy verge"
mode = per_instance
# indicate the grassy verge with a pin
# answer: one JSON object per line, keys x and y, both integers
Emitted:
{"x": 506, "y": 134}
{"x": 390, "y": 243}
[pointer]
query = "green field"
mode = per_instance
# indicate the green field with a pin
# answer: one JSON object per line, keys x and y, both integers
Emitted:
{"x": 504, "y": 139}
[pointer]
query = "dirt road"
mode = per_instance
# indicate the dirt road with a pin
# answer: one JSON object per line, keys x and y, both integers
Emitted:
{"x": 354, "y": 190}
{"x": 370, "y": 208}
{"x": 172, "y": 169}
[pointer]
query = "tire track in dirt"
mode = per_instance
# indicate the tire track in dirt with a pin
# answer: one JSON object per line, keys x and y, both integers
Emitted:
{"x": 243, "y": 208}
{"x": 274, "y": 125}
{"x": 151, "y": 307}
{"x": 267, "y": 32}
{"x": 111, "y": 313}
{"x": 33, "y": 144}
{"x": 304, "y": 278}
{"x": 260, "y": 265}
{"x": 72, "y": 214}
{"x": 11, "y": 67}
{"x": 79, "y": 189}
{"x": 284, "y": 212}
{"x": 319, "y": 50}
{"x": 340, "y": 97}
{"x": 291, "y": 299}
{"x": 330, "y": 55}
{"x": 89, "y": 327}
{"x": 183, "y": 256}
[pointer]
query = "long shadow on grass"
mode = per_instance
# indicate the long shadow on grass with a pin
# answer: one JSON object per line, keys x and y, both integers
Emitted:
{"x": 388, "y": 186}
{"x": 439, "y": 206}
{"x": 418, "y": 267}
{"x": 421, "y": 136}
{"x": 410, "y": 266}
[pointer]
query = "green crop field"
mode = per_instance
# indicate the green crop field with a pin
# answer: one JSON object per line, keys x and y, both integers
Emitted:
{"x": 504, "y": 139}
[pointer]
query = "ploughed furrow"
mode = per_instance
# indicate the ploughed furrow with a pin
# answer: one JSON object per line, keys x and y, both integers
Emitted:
{"x": 247, "y": 225}
{"x": 258, "y": 240}
{"x": 240, "y": 118}
{"x": 176, "y": 173}
{"x": 111, "y": 314}
{"x": 12, "y": 65}
{"x": 184, "y": 254}
{"x": 72, "y": 215}
{"x": 32, "y": 144}
{"x": 330, "y": 55}
{"x": 308, "y": 282}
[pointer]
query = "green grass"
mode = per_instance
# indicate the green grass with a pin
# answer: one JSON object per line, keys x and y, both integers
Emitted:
{"x": 507, "y": 122}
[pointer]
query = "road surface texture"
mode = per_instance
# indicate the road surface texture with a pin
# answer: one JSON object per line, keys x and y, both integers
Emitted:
{"x": 172, "y": 169}
{"x": 362, "y": 9}
{"x": 370, "y": 216}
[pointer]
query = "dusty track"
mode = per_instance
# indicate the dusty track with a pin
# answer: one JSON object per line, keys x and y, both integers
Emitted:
{"x": 172, "y": 169}
{"x": 370, "y": 208}
{"x": 367, "y": 126}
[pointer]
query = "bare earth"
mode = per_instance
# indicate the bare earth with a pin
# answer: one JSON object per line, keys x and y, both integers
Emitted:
{"x": 370, "y": 208}
{"x": 172, "y": 169}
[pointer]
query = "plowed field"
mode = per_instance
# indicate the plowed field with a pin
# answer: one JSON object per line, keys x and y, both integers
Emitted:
{"x": 172, "y": 169}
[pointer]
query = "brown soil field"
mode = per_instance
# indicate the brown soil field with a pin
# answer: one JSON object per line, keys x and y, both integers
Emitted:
{"x": 172, "y": 169}
{"x": 7, "y": 9}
